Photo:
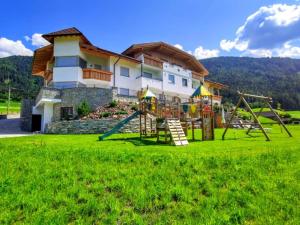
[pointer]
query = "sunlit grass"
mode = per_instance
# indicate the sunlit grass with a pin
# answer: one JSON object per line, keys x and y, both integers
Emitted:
{"x": 75, "y": 179}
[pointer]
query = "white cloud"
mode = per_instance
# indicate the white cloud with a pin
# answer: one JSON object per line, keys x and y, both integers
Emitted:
{"x": 37, "y": 40}
{"x": 267, "y": 31}
{"x": 179, "y": 46}
{"x": 258, "y": 53}
{"x": 200, "y": 52}
{"x": 10, "y": 47}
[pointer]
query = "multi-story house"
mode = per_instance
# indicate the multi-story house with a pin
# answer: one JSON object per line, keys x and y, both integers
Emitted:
{"x": 74, "y": 69}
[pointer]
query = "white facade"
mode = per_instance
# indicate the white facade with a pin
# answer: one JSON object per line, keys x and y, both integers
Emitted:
{"x": 72, "y": 76}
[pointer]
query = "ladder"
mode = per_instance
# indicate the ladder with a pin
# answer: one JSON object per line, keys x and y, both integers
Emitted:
{"x": 176, "y": 131}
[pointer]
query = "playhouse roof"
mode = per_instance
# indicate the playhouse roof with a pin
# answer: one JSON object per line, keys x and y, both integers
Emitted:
{"x": 148, "y": 94}
{"x": 201, "y": 91}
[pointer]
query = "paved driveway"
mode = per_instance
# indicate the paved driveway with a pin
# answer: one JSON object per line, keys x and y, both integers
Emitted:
{"x": 11, "y": 128}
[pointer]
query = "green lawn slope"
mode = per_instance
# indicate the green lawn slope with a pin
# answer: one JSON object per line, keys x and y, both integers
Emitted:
{"x": 75, "y": 179}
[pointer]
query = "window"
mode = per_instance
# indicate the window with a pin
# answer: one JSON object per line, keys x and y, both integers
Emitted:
{"x": 147, "y": 75}
{"x": 66, "y": 113}
{"x": 124, "y": 71}
{"x": 98, "y": 67}
{"x": 124, "y": 91}
{"x": 69, "y": 61}
{"x": 82, "y": 63}
{"x": 171, "y": 79}
{"x": 184, "y": 82}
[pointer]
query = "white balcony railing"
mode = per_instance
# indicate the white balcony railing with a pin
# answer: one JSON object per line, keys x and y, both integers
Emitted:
{"x": 151, "y": 83}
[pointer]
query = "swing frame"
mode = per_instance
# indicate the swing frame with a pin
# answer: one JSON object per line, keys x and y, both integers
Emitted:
{"x": 264, "y": 99}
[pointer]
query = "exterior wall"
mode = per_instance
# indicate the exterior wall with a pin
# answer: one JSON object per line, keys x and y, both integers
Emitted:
{"x": 90, "y": 126}
{"x": 26, "y": 114}
{"x": 67, "y": 74}
{"x": 177, "y": 88}
{"x": 66, "y": 46}
{"x": 47, "y": 115}
{"x": 72, "y": 97}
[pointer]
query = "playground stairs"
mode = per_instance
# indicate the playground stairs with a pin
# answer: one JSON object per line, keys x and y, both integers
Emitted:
{"x": 176, "y": 131}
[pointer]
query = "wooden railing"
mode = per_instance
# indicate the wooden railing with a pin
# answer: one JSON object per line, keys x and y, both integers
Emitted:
{"x": 48, "y": 76}
{"x": 153, "y": 62}
{"x": 97, "y": 74}
{"x": 217, "y": 97}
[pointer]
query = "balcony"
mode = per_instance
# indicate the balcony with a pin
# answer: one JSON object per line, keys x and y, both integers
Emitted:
{"x": 48, "y": 95}
{"x": 97, "y": 74}
{"x": 151, "y": 83}
{"x": 153, "y": 61}
{"x": 217, "y": 98}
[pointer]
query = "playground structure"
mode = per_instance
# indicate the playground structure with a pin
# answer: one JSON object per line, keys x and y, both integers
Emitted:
{"x": 256, "y": 123}
{"x": 172, "y": 117}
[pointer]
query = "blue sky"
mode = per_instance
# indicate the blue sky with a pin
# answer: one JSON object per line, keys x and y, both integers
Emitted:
{"x": 203, "y": 28}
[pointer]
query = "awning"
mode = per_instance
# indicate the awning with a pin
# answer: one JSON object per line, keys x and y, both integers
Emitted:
{"x": 201, "y": 91}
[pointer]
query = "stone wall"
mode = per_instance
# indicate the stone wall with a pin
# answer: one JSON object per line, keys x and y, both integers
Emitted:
{"x": 72, "y": 97}
{"x": 90, "y": 126}
{"x": 26, "y": 114}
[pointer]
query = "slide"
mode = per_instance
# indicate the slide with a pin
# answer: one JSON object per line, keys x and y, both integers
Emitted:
{"x": 119, "y": 125}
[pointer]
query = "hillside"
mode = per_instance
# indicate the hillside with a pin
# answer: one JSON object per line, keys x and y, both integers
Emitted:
{"x": 18, "y": 70}
{"x": 276, "y": 77}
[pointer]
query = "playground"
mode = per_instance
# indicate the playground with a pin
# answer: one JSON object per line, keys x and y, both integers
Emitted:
{"x": 174, "y": 118}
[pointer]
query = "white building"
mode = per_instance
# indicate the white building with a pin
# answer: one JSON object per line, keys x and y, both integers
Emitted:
{"x": 71, "y": 61}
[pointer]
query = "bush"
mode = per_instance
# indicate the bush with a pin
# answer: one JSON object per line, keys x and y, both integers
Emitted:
{"x": 122, "y": 112}
{"x": 134, "y": 107}
{"x": 105, "y": 114}
{"x": 83, "y": 109}
{"x": 2, "y": 101}
{"x": 113, "y": 104}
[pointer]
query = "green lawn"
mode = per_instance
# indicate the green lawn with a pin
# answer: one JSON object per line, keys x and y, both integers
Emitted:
{"x": 13, "y": 109}
{"x": 69, "y": 179}
{"x": 294, "y": 114}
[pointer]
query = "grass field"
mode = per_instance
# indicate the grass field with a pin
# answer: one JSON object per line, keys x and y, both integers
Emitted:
{"x": 13, "y": 109}
{"x": 57, "y": 179}
{"x": 294, "y": 114}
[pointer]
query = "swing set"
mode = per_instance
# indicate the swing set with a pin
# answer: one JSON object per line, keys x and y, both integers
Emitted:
{"x": 256, "y": 123}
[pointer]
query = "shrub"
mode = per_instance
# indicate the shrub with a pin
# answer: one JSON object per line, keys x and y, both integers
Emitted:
{"x": 2, "y": 101}
{"x": 83, "y": 109}
{"x": 113, "y": 104}
{"x": 122, "y": 112}
{"x": 105, "y": 114}
{"x": 134, "y": 107}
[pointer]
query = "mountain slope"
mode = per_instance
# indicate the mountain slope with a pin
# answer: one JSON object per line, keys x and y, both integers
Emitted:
{"x": 18, "y": 70}
{"x": 275, "y": 77}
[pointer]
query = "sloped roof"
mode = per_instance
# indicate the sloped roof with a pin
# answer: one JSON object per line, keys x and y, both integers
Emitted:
{"x": 40, "y": 58}
{"x": 215, "y": 84}
{"x": 169, "y": 50}
{"x": 73, "y": 31}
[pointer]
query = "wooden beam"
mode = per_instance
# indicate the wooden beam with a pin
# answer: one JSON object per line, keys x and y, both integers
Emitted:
{"x": 255, "y": 118}
{"x": 278, "y": 119}
{"x": 231, "y": 118}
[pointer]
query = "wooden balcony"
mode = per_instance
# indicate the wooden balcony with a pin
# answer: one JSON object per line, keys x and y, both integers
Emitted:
{"x": 48, "y": 75}
{"x": 149, "y": 60}
{"x": 97, "y": 74}
{"x": 217, "y": 98}
{"x": 196, "y": 75}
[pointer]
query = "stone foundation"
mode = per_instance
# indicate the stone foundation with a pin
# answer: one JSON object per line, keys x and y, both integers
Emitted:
{"x": 90, "y": 126}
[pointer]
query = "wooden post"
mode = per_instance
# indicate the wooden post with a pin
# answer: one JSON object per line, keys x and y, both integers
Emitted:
{"x": 255, "y": 118}
{"x": 193, "y": 131}
{"x": 250, "y": 128}
{"x": 145, "y": 121}
{"x": 231, "y": 118}
{"x": 141, "y": 125}
{"x": 278, "y": 119}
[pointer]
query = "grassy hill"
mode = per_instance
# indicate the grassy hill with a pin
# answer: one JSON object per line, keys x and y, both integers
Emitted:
{"x": 75, "y": 179}
{"x": 275, "y": 77}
